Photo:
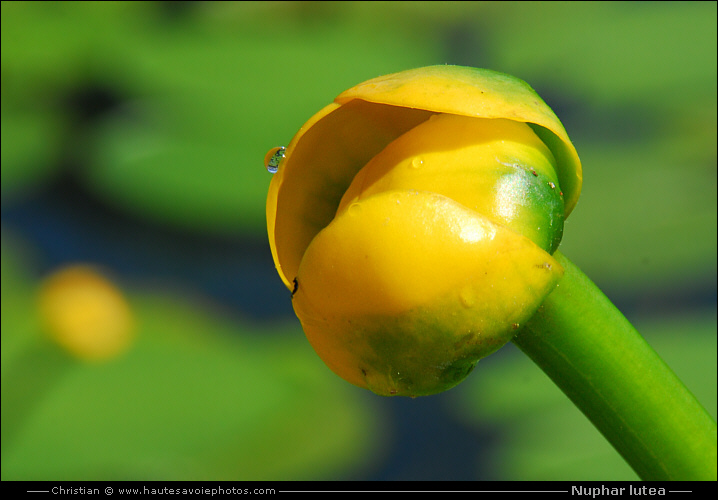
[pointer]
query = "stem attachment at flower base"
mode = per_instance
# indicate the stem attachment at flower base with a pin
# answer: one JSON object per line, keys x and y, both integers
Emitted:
{"x": 596, "y": 357}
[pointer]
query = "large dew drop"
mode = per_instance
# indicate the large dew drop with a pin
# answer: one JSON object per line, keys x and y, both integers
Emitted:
{"x": 272, "y": 159}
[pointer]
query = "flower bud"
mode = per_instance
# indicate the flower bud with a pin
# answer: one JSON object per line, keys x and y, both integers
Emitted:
{"x": 86, "y": 314}
{"x": 414, "y": 220}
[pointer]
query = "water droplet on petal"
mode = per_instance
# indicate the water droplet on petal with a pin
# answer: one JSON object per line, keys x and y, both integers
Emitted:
{"x": 467, "y": 298}
{"x": 417, "y": 162}
{"x": 272, "y": 159}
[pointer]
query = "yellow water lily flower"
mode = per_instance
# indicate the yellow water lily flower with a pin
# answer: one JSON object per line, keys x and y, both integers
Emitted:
{"x": 86, "y": 314}
{"x": 414, "y": 221}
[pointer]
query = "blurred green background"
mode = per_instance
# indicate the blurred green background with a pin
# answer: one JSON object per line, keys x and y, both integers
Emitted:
{"x": 133, "y": 137}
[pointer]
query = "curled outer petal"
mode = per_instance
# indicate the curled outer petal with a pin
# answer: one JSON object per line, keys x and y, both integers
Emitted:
{"x": 414, "y": 220}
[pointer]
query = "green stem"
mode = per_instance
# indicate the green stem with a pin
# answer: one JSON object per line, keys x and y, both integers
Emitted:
{"x": 594, "y": 355}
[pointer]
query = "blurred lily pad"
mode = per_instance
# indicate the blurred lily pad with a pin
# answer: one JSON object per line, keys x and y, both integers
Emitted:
{"x": 30, "y": 143}
{"x": 211, "y": 87}
{"x": 189, "y": 151}
{"x": 647, "y": 218}
{"x": 634, "y": 52}
{"x": 200, "y": 396}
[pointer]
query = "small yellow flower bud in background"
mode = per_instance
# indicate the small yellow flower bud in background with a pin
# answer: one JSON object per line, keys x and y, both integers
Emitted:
{"x": 86, "y": 314}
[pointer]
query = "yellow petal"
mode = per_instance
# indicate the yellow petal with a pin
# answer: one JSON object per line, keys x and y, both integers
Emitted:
{"x": 479, "y": 93}
{"x": 496, "y": 167}
{"x": 320, "y": 163}
{"x": 327, "y": 152}
{"x": 404, "y": 291}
